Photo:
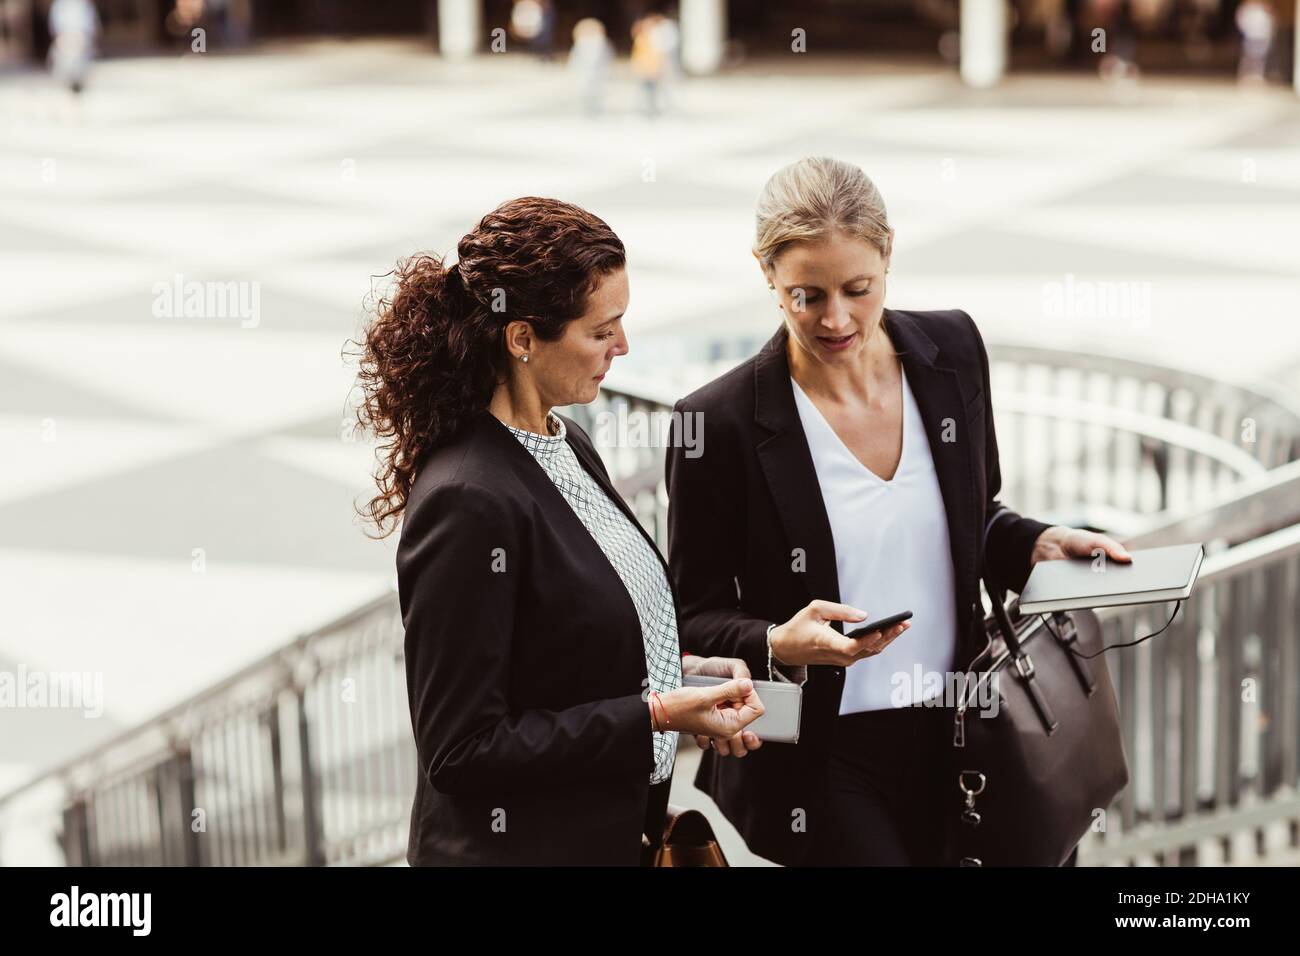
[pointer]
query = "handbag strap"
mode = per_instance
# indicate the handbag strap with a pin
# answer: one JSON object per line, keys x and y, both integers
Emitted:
{"x": 1023, "y": 663}
{"x": 998, "y": 594}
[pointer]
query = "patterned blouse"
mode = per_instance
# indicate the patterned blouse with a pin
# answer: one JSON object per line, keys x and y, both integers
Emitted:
{"x": 632, "y": 556}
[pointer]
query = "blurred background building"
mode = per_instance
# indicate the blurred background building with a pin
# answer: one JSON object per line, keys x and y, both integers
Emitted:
{"x": 1122, "y": 219}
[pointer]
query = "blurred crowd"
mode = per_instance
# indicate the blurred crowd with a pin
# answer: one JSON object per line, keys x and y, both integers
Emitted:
{"x": 1113, "y": 30}
{"x": 655, "y": 58}
{"x": 1107, "y": 33}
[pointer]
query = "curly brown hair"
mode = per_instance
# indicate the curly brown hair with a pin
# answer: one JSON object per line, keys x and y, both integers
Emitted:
{"x": 434, "y": 350}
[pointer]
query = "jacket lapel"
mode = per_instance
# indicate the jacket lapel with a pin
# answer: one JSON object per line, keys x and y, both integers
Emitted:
{"x": 597, "y": 471}
{"x": 560, "y": 516}
{"x": 540, "y": 485}
{"x": 787, "y": 463}
{"x": 939, "y": 398}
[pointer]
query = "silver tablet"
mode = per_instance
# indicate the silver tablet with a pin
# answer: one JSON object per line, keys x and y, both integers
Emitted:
{"x": 1154, "y": 575}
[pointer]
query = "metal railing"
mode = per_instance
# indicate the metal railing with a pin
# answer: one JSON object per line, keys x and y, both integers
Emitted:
{"x": 1209, "y": 710}
{"x": 1101, "y": 440}
{"x": 306, "y": 757}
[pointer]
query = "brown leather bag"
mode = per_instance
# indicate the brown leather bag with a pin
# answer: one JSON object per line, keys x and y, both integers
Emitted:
{"x": 688, "y": 841}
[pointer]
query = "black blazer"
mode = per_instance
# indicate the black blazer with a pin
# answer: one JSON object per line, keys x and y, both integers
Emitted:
{"x": 750, "y": 497}
{"x": 524, "y": 665}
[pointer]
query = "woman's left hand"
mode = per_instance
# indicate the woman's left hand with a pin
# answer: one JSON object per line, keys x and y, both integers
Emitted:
{"x": 1060, "y": 542}
{"x": 731, "y": 668}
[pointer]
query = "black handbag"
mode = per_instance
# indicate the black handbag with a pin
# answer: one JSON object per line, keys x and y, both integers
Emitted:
{"x": 1037, "y": 749}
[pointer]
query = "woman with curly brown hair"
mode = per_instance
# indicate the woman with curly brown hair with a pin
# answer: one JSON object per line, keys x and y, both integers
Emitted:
{"x": 542, "y": 662}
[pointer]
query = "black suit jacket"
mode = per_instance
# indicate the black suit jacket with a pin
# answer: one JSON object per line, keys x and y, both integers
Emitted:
{"x": 740, "y": 508}
{"x": 524, "y": 665}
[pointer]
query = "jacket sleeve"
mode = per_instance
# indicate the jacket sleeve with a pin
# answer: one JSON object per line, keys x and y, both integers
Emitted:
{"x": 459, "y": 564}
{"x": 706, "y": 540}
{"x": 1008, "y": 537}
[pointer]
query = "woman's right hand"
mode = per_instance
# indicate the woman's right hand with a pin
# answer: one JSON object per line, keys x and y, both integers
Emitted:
{"x": 808, "y": 638}
{"x": 722, "y": 710}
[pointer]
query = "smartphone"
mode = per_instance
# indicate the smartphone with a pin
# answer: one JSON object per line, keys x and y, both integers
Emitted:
{"x": 882, "y": 624}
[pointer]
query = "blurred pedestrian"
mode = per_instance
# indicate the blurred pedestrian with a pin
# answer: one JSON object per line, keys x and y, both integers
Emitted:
{"x": 1119, "y": 33}
{"x": 1256, "y": 24}
{"x": 668, "y": 39}
{"x": 533, "y": 21}
{"x": 187, "y": 24}
{"x": 589, "y": 62}
{"x": 651, "y": 63}
{"x": 74, "y": 27}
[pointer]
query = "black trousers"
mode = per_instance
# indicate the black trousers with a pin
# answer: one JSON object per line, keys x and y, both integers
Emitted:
{"x": 884, "y": 783}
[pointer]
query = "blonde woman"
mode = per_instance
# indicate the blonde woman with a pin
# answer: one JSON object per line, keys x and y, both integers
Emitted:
{"x": 852, "y": 473}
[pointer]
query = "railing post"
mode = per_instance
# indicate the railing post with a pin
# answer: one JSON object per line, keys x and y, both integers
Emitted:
{"x": 312, "y": 854}
{"x": 271, "y": 719}
{"x": 1289, "y": 675}
{"x": 185, "y": 786}
{"x": 1188, "y": 629}
{"x": 1126, "y": 692}
{"x": 76, "y": 836}
{"x": 1273, "y": 676}
{"x": 1159, "y": 691}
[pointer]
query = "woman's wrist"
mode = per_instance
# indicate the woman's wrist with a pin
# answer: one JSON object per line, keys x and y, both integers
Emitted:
{"x": 1047, "y": 545}
{"x": 774, "y": 634}
{"x": 659, "y": 720}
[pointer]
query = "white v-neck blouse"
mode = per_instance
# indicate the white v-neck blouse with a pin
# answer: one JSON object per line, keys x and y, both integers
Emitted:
{"x": 892, "y": 554}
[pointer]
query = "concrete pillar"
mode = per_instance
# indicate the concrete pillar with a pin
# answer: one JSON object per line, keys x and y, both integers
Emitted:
{"x": 1295, "y": 53}
{"x": 460, "y": 27}
{"x": 704, "y": 34}
{"x": 984, "y": 41}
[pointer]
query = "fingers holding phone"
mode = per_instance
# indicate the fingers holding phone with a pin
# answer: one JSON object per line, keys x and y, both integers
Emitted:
{"x": 873, "y": 638}
{"x": 808, "y": 638}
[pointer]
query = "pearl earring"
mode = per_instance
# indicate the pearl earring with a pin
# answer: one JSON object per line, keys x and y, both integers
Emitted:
{"x": 523, "y": 358}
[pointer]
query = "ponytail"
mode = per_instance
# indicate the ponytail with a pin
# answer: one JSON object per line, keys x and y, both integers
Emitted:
{"x": 425, "y": 367}
{"x": 434, "y": 353}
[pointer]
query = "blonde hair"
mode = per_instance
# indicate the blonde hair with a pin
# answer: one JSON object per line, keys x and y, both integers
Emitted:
{"x": 814, "y": 197}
